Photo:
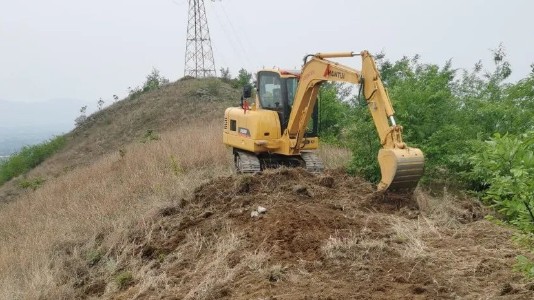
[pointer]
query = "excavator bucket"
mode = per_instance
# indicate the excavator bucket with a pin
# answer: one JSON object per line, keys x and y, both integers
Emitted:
{"x": 401, "y": 168}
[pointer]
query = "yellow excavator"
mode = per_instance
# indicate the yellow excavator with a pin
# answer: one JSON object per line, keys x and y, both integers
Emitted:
{"x": 280, "y": 126}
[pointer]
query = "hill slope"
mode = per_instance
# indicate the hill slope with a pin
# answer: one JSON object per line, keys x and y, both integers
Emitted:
{"x": 142, "y": 204}
{"x": 163, "y": 110}
{"x": 135, "y": 119}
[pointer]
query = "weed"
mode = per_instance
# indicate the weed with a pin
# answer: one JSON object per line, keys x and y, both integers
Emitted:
{"x": 524, "y": 239}
{"x": 276, "y": 273}
{"x": 524, "y": 265}
{"x": 338, "y": 247}
{"x": 33, "y": 184}
{"x": 255, "y": 261}
{"x": 124, "y": 279}
{"x": 409, "y": 235}
{"x": 175, "y": 166}
{"x": 93, "y": 256}
{"x": 213, "y": 86}
{"x": 150, "y": 135}
{"x": 154, "y": 81}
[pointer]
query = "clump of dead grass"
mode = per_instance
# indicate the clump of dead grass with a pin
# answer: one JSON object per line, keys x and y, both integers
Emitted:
{"x": 354, "y": 245}
{"x": 213, "y": 269}
{"x": 449, "y": 210}
{"x": 409, "y": 235}
{"x": 334, "y": 157}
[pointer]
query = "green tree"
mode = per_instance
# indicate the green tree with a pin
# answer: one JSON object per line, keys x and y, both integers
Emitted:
{"x": 446, "y": 112}
{"x": 332, "y": 111}
{"x": 243, "y": 78}
{"x": 225, "y": 75}
{"x": 154, "y": 80}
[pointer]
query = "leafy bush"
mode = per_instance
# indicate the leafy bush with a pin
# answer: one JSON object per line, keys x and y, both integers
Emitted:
{"x": 243, "y": 78}
{"x": 225, "y": 75}
{"x": 505, "y": 167}
{"x": 525, "y": 266}
{"x": 153, "y": 81}
{"x": 28, "y": 158}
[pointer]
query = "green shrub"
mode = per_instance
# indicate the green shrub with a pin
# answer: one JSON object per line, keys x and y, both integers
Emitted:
{"x": 213, "y": 86}
{"x": 124, "y": 279}
{"x": 525, "y": 266}
{"x": 93, "y": 256}
{"x": 447, "y": 113}
{"x": 28, "y": 158}
{"x": 149, "y": 135}
{"x": 153, "y": 81}
{"x": 34, "y": 183}
{"x": 505, "y": 168}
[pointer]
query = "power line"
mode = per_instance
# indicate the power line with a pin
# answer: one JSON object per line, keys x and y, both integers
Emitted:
{"x": 230, "y": 38}
{"x": 235, "y": 33}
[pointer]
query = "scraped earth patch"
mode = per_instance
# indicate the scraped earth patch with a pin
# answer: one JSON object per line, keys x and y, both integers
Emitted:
{"x": 328, "y": 236}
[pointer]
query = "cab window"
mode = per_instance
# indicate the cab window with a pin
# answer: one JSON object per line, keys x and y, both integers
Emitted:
{"x": 291, "y": 90}
{"x": 270, "y": 92}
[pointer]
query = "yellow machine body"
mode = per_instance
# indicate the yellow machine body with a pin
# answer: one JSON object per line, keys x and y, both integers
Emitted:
{"x": 258, "y": 131}
{"x": 274, "y": 128}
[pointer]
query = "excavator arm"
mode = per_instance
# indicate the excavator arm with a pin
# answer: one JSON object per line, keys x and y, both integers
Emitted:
{"x": 401, "y": 166}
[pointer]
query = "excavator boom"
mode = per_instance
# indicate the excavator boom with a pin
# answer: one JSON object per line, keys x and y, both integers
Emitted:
{"x": 401, "y": 166}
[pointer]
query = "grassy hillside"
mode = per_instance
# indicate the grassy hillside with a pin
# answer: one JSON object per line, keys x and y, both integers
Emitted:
{"x": 142, "y": 203}
{"x": 134, "y": 119}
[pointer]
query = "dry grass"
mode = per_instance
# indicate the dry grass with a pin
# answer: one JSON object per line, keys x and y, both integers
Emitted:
{"x": 166, "y": 109}
{"x": 355, "y": 246}
{"x": 103, "y": 197}
{"x": 43, "y": 229}
{"x": 213, "y": 269}
{"x": 449, "y": 210}
{"x": 334, "y": 157}
{"x": 409, "y": 234}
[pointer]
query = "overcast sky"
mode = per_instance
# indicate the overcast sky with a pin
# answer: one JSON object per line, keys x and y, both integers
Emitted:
{"x": 83, "y": 50}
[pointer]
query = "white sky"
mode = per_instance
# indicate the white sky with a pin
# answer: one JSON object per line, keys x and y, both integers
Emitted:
{"x": 84, "y": 50}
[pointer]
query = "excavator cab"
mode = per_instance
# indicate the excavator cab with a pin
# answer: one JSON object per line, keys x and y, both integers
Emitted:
{"x": 276, "y": 91}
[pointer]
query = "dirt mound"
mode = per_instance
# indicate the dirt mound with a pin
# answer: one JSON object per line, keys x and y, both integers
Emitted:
{"x": 321, "y": 237}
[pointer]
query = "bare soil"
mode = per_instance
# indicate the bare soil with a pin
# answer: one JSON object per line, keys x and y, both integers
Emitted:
{"x": 328, "y": 236}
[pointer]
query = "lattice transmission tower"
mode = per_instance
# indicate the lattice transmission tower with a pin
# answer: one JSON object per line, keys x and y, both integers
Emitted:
{"x": 199, "y": 60}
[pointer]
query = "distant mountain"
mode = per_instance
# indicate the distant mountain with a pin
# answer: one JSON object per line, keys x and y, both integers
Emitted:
{"x": 25, "y": 123}
{"x": 13, "y": 139}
